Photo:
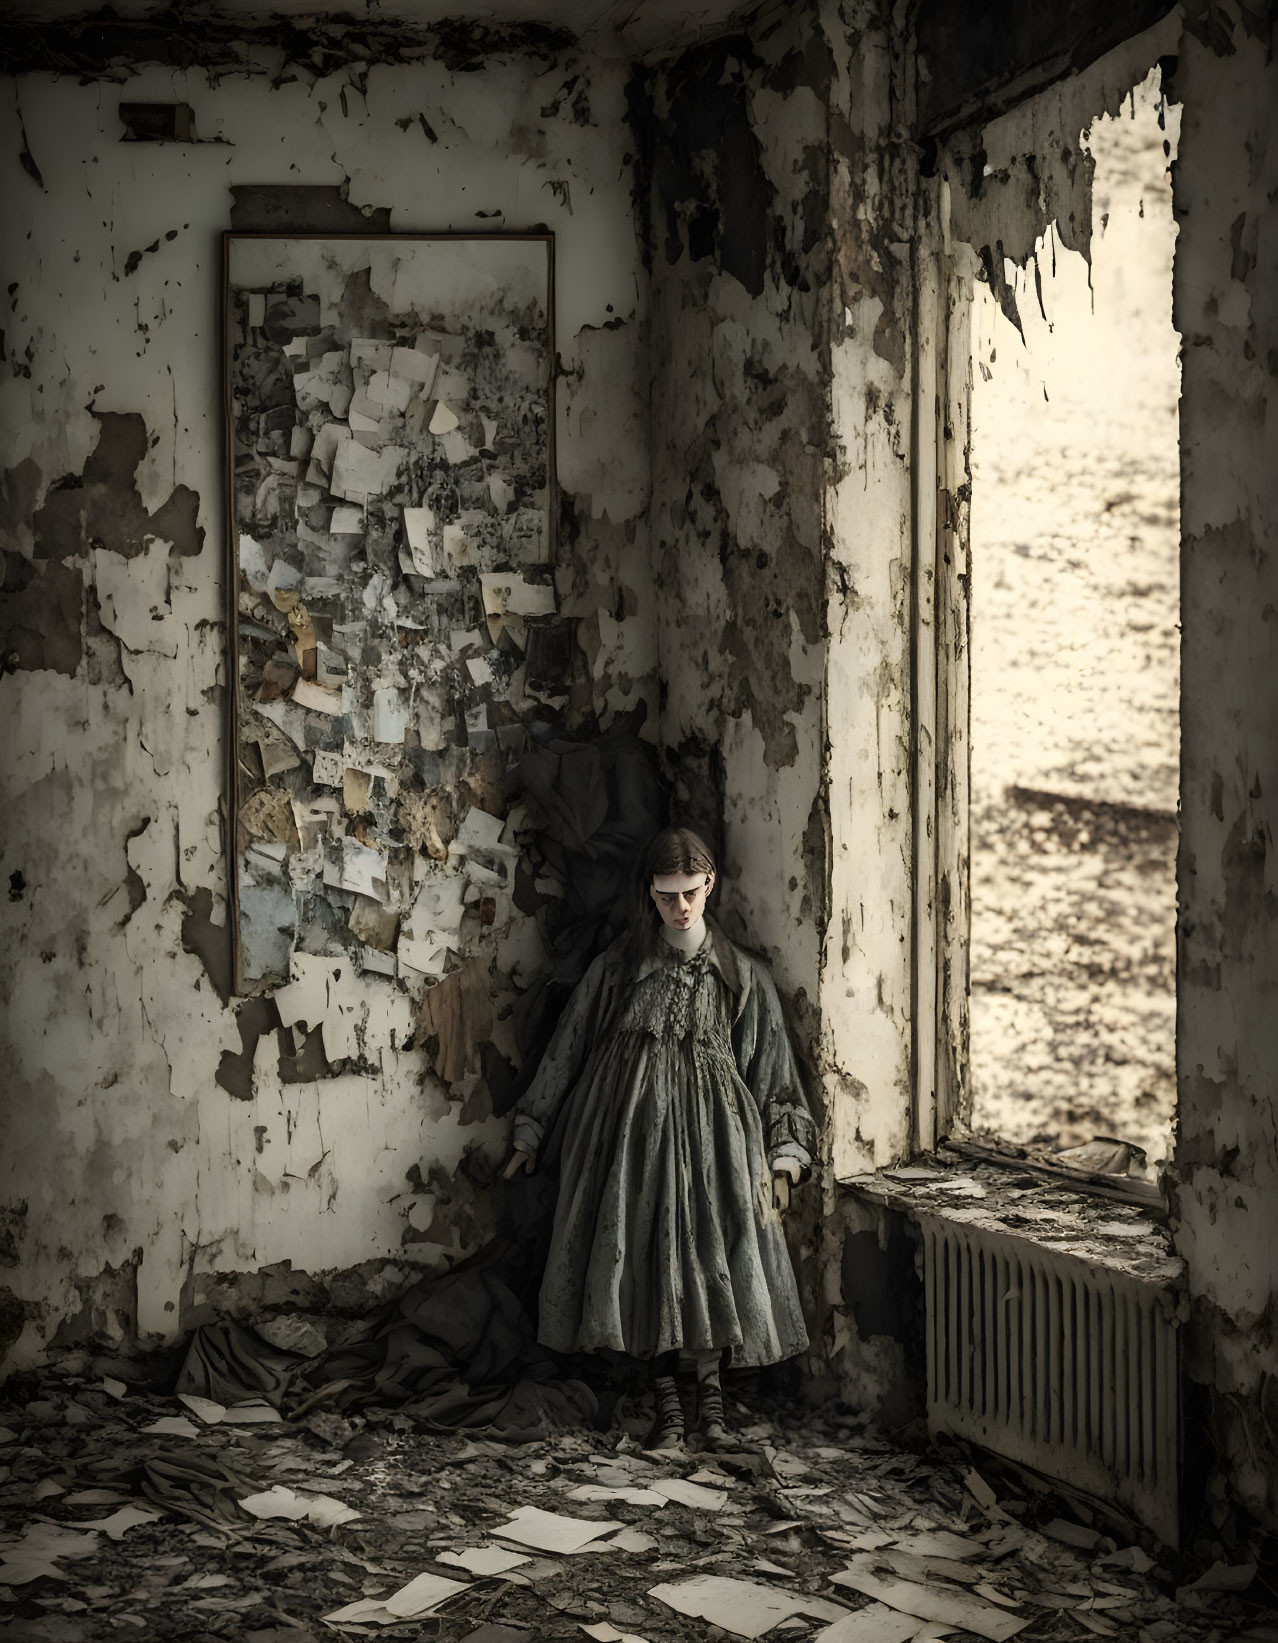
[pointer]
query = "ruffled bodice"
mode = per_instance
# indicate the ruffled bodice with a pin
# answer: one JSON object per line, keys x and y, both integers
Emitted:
{"x": 675, "y": 998}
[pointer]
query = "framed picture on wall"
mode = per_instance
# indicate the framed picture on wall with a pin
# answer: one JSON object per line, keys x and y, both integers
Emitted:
{"x": 390, "y": 432}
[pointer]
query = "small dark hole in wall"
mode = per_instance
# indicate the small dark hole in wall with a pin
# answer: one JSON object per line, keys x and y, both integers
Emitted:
{"x": 157, "y": 122}
{"x": 17, "y": 886}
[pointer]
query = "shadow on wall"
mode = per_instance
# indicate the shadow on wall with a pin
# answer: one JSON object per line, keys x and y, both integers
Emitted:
{"x": 883, "y": 1291}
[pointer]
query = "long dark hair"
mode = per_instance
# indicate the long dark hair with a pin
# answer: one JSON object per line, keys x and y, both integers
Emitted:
{"x": 673, "y": 850}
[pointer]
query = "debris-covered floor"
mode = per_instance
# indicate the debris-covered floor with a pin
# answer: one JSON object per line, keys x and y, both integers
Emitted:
{"x": 131, "y": 1514}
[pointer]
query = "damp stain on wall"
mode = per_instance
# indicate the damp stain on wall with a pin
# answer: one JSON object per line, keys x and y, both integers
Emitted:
{"x": 200, "y": 1124}
{"x": 738, "y": 189}
{"x": 1226, "y": 1163}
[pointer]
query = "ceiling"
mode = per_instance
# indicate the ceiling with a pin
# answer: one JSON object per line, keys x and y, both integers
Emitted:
{"x": 637, "y": 26}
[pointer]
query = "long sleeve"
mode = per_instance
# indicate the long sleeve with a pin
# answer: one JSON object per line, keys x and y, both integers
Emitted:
{"x": 766, "y": 1062}
{"x": 585, "y": 1015}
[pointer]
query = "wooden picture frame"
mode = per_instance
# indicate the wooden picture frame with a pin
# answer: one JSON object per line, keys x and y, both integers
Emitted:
{"x": 390, "y": 454}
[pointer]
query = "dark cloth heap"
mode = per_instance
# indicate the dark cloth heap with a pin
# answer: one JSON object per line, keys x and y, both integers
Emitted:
{"x": 456, "y": 1350}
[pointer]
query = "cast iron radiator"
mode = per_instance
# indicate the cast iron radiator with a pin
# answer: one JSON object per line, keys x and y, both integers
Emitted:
{"x": 1056, "y": 1362}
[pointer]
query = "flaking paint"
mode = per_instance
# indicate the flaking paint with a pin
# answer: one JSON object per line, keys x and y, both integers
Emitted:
{"x": 762, "y": 429}
{"x": 1226, "y": 1160}
{"x": 143, "y": 1096}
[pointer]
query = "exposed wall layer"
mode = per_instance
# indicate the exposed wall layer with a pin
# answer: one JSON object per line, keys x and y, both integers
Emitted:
{"x": 781, "y": 372}
{"x": 1226, "y": 309}
{"x": 155, "y": 1127}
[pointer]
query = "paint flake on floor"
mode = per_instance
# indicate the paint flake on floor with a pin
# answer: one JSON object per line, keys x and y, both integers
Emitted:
{"x": 815, "y": 1528}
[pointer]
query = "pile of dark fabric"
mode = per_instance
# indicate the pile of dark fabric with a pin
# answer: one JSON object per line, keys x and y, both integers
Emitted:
{"x": 457, "y": 1350}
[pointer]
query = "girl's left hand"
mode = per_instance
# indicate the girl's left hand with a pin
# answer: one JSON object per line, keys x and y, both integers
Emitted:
{"x": 781, "y": 1191}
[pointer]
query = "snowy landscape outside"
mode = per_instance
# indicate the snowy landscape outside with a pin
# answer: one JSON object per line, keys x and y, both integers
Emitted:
{"x": 1075, "y": 669}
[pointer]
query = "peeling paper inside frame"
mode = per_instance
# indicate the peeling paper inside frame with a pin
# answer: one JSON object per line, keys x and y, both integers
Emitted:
{"x": 391, "y": 439}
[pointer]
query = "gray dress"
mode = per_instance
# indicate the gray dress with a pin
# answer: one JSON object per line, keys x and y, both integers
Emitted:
{"x": 665, "y": 1096}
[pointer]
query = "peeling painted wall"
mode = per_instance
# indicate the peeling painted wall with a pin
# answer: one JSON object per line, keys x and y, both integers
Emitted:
{"x": 782, "y": 273}
{"x": 781, "y": 513}
{"x": 878, "y": 217}
{"x": 1226, "y": 309}
{"x": 740, "y": 261}
{"x": 159, "y": 1131}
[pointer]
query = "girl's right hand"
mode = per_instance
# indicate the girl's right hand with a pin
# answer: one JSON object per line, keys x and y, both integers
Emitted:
{"x": 520, "y": 1160}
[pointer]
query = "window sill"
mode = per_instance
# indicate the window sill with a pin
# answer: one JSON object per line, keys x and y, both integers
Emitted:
{"x": 1101, "y": 1222}
{"x": 1007, "y": 1155}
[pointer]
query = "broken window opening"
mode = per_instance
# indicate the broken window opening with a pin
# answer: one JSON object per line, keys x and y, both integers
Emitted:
{"x": 1075, "y": 669}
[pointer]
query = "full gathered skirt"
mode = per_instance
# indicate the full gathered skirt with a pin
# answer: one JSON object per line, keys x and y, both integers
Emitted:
{"x": 665, "y": 1233}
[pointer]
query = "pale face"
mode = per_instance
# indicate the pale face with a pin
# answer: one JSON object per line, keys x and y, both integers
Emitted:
{"x": 680, "y": 898}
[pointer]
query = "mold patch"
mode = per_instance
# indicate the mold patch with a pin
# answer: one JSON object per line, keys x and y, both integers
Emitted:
{"x": 102, "y": 508}
{"x": 211, "y": 943}
{"x": 235, "y": 1072}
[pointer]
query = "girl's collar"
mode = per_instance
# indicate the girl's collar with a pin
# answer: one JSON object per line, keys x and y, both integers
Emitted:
{"x": 715, "y": 949}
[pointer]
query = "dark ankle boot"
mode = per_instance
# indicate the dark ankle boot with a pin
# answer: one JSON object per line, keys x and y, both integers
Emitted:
{"x": 710, "y": 1417}
{"x": 667, "y": 1429}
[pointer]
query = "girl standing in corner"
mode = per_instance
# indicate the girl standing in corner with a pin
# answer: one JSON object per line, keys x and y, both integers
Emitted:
{"x": 670, "y": 1102}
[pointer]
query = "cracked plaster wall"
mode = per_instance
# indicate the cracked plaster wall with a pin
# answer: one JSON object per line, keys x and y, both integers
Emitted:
{"x": 781, "y": 513}
{"x": 1226, "y": 1160}
{"x": 781, "y": 259}
{"x": 125, "y": 1153}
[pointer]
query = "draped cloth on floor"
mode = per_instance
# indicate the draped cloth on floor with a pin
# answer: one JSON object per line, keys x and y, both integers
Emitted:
{"x": 456, "y": 1350}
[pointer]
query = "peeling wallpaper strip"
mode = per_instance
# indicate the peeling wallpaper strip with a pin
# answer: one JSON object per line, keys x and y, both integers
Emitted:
{"x": 1014, "y": 177}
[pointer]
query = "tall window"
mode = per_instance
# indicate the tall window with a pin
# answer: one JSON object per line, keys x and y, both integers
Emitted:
{"x": 1075, "y": 669}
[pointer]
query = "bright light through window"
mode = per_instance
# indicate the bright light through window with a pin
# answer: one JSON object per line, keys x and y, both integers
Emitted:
{"x": 1075, "y": 669}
